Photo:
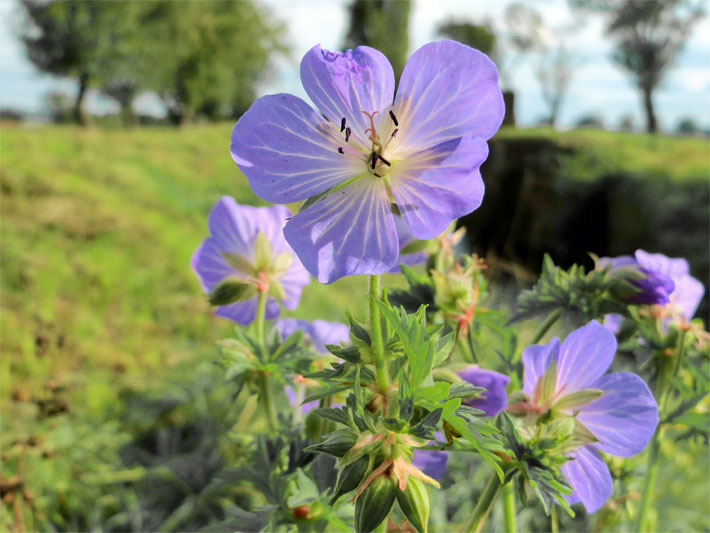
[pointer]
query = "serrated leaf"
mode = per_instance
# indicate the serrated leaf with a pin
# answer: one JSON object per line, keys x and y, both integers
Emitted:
{"x": 333, "y": 414}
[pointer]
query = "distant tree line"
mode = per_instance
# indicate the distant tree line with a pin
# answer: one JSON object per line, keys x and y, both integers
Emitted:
{"x": 203, "y": 59}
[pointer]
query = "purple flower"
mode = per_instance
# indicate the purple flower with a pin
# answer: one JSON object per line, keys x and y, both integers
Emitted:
{"x": 319, "y": 332}
{"x": 431, "y": 462}
{"x": 294, "y": 400}
{"x": 653, "y": 286}
{"x": 668, "y": 282}
{"x": 248, "y": 247}
{"x": 423, "y": 150}
{"x": 494, "y": 399}
{"x": 617, "y": 410}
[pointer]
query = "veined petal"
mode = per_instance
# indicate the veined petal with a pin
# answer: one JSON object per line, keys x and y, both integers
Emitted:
{"x": 624, "y": 418}
{"x": 439, "y": 184}
{"x": 209, "y": 265}
{"x": 536, "y": 358}
{"x": 687, "y": 295}
{"x": 585, "y": 355}
{"x": 660, "y": 263}
{"x": 590, "y": 478}
{"x": 245, "y": 312}
{"x": 233, "y": 226}
{"x": 350, "y": 232}
{"x": 288, "y": 152}
{"x": 448, "y": 90}
{"x": 342, "y": 85}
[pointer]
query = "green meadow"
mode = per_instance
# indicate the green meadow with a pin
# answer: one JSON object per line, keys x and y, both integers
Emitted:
{"x": 99, "y": 302}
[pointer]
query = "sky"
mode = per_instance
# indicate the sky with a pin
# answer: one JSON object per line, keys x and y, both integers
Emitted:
{"x": 598, "y": 86}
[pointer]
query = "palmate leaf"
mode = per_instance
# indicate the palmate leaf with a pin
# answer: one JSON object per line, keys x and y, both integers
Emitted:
{"x": 418, "y": 345}
{"x": 420, "y": 292}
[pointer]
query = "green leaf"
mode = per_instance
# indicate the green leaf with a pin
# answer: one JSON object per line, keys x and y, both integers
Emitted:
{"x": 330, "y": 413}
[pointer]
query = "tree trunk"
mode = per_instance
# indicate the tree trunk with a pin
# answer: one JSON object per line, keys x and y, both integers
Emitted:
{"x": 79, "y": 114}
{"x": 651, "y": 125}
{"x": 128, "y": 116}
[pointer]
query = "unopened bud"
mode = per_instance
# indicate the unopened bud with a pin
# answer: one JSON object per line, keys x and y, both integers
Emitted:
{"x": 231, "y": 290}
{"x": 414, "y": 503}
{"x": 374, "y": 504}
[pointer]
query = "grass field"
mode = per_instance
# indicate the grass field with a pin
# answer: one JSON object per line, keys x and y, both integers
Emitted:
{"x": 98, "y": 227}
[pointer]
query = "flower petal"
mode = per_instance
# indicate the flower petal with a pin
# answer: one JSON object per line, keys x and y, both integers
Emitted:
{"x": 448, "y": 90}
{"x": 350, "y": 232}
{"x": 494, "y": 399}
{"x": 209, "y": 265}
{"x": 624, "y": 418}
{"x": 233, "y": 226}
{"x": 687, "y": 295}
{"x": 320, "y": 332}
{"x": 439, "y": 185}
{"x": 585, "y": 355}
{"x": 431, "y": 462}
{"x": 662, "y": 264}
{"x": 342, "y": 85}
{"x": 536, "y": 358}
{"x": 288, "y": 152}
{"x": 590, "y": 478}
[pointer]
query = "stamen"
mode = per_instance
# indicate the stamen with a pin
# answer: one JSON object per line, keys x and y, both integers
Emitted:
{"x": 342, "y": 125}
{"x": 374, "y": 160}
{"x": 384, "y": 160}
{"x": 348, "y": 131}
{"x": 376, "y": 174}
{"x": 340, "y": 150}
{"x": 394, "y": 133}
{"x": 394, "y": 119}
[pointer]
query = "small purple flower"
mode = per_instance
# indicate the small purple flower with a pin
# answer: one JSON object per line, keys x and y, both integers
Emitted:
{"x": 423, "y": 149}
{"x": 431, "y": 462}
{"x": 654, "y": 287}
{"x": 617, "y": 409}
{"x": 319, "y": 332}
{"x": 294, "y": 400}
{"x": 247, "y": 245}
{"x": 493, "y": 400}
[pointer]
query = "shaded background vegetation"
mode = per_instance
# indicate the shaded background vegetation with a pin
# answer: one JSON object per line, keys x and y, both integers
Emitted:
{"x": 113, "y": 416}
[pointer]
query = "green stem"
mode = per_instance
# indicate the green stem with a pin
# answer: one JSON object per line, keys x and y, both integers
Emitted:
{"x": 376, "y": 331}
{"x": 546, "y": 325}
{"x": 663, "y": 392}
{"x": 554, "y": 526}
{"x": 484, "y": 505}
{"x": 509, "y": 508}
{"x": 465, "y": 349}
{"x": 263, "y": 381}
{"x": 649, "y": 482}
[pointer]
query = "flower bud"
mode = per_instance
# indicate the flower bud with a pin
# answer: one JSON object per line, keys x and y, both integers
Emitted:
{"x": 374, "y": 504}
{"x": 349, "y": 477}
{"x": 231, "y": 290}
{"x": 414, "y": 503}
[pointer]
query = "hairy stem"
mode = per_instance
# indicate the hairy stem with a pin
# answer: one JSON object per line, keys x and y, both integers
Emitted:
{"x": 263, "y": 380}
{"x": 546, "y": 325}
{"x": 509, "y": 508}
{"x": 484, "y": 505}
{"x": 663, "y": 391}
{"x": 554, "y": 526}
{"x": 376, "y": 332}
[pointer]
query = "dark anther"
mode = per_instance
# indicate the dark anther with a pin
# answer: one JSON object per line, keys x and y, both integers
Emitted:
{"x": 384, "y": 160}
{"x": 394, "y": 133}
{"x": 374, "y": 160}
{"x": 376, "y": 174}
{"x": 342, "y": 125}
{"x": 394, "y": 119}
{"x": 348, "y": 131}
{"x": 340, "y": 150}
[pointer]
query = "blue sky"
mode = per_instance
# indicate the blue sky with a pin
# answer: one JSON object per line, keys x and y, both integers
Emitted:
{"x": 597, "y": 87}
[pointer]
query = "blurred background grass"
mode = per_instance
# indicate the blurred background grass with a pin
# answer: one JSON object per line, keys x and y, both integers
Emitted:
{"x": 112, "y": 414}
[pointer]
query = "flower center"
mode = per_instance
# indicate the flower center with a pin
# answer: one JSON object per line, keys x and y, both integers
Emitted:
{"x": 376, "y": 163}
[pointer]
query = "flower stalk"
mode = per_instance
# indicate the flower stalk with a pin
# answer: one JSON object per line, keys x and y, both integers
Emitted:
{"x": 508, "y": 500}
{"x": 376, "y": 331}
{"x": 484, "y": 505}
{"x": 263, "y": 380}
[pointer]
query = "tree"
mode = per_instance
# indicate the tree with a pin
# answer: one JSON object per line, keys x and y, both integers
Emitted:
{"x": 205, "y": 58}
{"x": 478, "y": 36}
{"x": 649, "y": 34}
{"x": 62, "y": 38}
{"x": 554, "y": 72}
{"x": 381, "y": 24}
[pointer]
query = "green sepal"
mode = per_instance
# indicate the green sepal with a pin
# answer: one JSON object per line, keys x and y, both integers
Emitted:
{"x": 577, "y": 399}
{"x": 374, "y": 504}
{"x": 231, "y": 290}
{"x": 263, "y": 252}
{"x": 414, "y": 503}
{"x": 336, "y": 444}
{"x": 349, "y": 477}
